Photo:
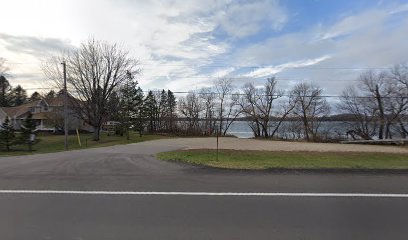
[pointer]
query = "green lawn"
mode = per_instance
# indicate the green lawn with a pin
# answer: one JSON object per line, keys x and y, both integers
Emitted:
{"x": 234, "y": 159}
{"x": 55, "y": 143}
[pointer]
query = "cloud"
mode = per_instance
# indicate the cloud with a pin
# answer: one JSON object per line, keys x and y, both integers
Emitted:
{"x": 370, "y": 39}
{"x": 353, "y": 24}
{"x": 272, "y": 70}
{"x": 223, "y": 72}
{"x": 243, "y": 19}
{"x": 400, "y": 9}
{"x": 183, "y": 44}
{"x": 34, "y": 45}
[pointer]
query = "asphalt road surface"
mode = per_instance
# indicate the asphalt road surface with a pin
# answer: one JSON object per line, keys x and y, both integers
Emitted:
{"x": 105, "y": 193}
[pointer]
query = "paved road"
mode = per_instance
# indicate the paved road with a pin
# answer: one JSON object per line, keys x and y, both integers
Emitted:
{"x": 134, "y": 168}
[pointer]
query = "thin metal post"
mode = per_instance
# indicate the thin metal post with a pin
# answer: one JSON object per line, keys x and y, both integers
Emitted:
{"x": 217, "y": 146}
{"x": 65, "y": 107}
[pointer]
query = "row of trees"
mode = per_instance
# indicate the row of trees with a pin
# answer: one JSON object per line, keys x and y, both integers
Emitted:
{"x": 132, "y": 110}
{"x": 209, "y": 110}
{"x": 101, "y": 78}
{"x": 265, "y": 108}
{"x": 14, "y": 96}
{"x": 378, "y": 105}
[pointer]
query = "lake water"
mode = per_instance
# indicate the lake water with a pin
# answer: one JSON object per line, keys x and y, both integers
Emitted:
{"x": 332, "y": 129}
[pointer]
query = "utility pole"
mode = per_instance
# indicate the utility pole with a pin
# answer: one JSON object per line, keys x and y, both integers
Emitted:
{"x": 64, "y": 67}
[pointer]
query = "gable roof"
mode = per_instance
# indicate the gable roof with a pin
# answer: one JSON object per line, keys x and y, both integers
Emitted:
{"x": 20, "y": 110}
{"x": 56, "y": 101}
{"x": 41, "y": 115}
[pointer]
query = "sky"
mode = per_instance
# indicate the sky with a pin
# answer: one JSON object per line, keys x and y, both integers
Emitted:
{"x": 185, "y": 45}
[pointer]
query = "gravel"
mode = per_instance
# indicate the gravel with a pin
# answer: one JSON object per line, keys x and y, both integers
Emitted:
{"x": 269, "y": 145}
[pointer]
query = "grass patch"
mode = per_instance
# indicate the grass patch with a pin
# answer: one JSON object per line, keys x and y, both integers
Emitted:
{"x": 235, "y": 159}
{"x": 55, "y": 143}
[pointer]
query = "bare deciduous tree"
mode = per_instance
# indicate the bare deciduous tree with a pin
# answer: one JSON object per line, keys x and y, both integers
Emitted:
{"x": 309, "y": 108}
{"x": 258, "y": 105}
{"x": 94, "y": 71}
{"x": 362, "y": 111}
{"x": 208, "y": 98}
{"x": 248, "y": 107}
{"x": 377, "y": 87}
{"x": 399, "y": 73}
{"x": 223, "y": 88}
{"x": 399, "y": 109}
{"x": 190, "y": 108}
{"x": 231, "y": 112}
{"x": 389, "y": 93}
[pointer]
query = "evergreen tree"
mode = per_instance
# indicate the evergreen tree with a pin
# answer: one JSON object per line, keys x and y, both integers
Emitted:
{"x": 18, "y": 96}
{"x": 150, "y": 108}
{"x": 171, "y": 110}
{"x": 128, "y": 106}
{"x": 162, "y": 111}
{"x": 113, "y": 106}
{"x": 27, "y": 131}
{"x": 5, "y": 88}
{"x": 7, "y": 135}
{"x": 139, "y": 122}
{"x": 50, "y": 94}
{"x": 35, "y": 96}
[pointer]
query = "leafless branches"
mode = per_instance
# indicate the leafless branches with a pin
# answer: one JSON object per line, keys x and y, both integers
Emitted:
{"x": 382, "y": 103}
{"x": 94, "y": 71}
{"x": 309, "y": 107}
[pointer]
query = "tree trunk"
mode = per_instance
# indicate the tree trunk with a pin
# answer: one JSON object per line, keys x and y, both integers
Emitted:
{"x": 265, "y": 128}
{"x": 96, "y": 133}
{"x": 221, "y": 114}
{"x": 404, "y": 131}
{"x": 381, "y": 109}
{"x": 127, "y": 133}
{"x": 306, "y": 129}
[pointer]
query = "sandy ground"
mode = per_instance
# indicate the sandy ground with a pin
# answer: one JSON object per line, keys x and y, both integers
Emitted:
{"x": 252, "y": 144}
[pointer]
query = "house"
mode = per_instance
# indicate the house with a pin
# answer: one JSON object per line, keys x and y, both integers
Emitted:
{"x": 47, "y": 113}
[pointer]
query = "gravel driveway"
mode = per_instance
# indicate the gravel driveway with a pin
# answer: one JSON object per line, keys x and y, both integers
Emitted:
{"x": 267, "y": 145}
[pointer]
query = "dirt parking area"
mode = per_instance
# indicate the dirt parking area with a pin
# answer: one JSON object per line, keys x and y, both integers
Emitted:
{"x": 268, "y": 145}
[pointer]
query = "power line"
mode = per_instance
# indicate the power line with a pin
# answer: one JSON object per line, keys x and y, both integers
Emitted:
{"x": 243, "y": 66}
{"x": 247, "y": 78}
{"x": 243, "y": 94}
{"x": 40, "y": 88}
{"x": 280, "y": 79}
{"x": 269, "y": 66}
{"x": 282, "y": 95}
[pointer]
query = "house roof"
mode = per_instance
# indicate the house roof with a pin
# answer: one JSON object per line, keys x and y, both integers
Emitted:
{"x": 41, "y": 115}
{"x": 56, "y": 101}
{"x": 20, "y": 110}
{"x": 11, "y": 111}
